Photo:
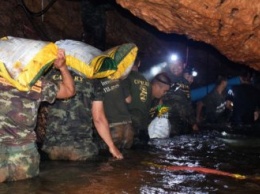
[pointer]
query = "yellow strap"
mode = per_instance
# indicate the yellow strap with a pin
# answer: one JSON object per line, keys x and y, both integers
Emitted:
{"x": 37, "y": 87}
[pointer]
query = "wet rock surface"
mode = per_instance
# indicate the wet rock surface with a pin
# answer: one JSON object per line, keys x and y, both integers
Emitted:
{"x": 231, "y": 26}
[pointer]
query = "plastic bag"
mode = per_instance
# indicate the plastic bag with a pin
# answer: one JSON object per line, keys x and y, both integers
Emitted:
{"x": 87, "y": 60}
{"x": 124, "y": 57}
{"x": 24, "y": 61}
{"x": 159, "y": 127}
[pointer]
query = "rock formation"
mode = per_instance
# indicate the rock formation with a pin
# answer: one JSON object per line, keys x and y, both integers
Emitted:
{"x": 231, "y": 26}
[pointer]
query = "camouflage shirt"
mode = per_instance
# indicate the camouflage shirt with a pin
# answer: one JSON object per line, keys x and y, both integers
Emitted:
{"x": 180, "y": 90}
{"x": 70, "y": 120}
{"x": 18, "y": 113}
{"x": 179, "y": 101}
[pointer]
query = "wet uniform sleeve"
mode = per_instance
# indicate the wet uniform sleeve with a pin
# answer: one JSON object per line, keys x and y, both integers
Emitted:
{"x": 126, "y": 92}
{"x": 126, "y": 85}
{"x": 98, "y": 94}
{"x": 49, "y": 91}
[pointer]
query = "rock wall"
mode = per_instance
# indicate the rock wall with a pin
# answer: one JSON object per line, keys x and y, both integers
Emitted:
{"x": 231, "y": 26}
{"x": 62, "y": 20}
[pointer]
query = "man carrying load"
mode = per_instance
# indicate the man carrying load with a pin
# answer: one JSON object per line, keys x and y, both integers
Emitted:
{"x": 19, "y": 158}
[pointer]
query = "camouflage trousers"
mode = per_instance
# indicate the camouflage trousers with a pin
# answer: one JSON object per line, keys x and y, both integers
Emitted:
{"x": 140, "y": 125}
{"x": 74, "y": 151}
{"x": 18, "y": 162}
{"x": 181, "y": 117}
{"x": 122, "y": 136}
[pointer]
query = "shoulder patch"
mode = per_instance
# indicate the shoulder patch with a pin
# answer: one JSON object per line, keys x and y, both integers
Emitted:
{"x": 37, "y": 87}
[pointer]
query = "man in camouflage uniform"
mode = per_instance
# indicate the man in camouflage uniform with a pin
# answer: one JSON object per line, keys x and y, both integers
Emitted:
{"x": 69, "y": 127}
{"x": 19, "y": 158}
{"x": 181, "y": 115}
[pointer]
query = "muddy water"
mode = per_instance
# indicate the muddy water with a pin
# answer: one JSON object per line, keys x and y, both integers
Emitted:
{"x": 141, "y": 171}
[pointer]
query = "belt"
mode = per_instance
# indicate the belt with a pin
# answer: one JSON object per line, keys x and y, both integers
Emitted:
{"x": 119, "y": 123}
{"x": 17, "y": 148}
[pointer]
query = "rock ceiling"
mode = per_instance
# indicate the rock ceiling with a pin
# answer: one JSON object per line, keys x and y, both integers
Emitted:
{"x": 231, "y": 26}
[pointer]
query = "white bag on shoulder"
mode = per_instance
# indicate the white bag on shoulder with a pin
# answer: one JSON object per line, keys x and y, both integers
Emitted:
{"x": 23, "y": 61}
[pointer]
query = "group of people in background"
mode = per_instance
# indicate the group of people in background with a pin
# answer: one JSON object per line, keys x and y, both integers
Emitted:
{"x": 80, "y": 116}
{"x": 237, "y": 106}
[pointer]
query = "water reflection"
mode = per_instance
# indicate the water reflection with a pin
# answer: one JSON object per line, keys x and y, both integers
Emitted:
{"x": 139, "y": 173}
